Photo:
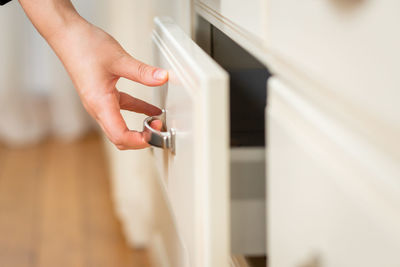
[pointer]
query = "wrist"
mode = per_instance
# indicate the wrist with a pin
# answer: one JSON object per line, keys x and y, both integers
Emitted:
{"x": 51, "y": 17}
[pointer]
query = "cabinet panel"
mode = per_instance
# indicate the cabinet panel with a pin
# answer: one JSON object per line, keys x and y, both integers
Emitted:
{"x": 348, "y": 49}
{"x": 325, "y": 207}
{"x": 196, "y": 176}
{"x": 248, "y": 201}
{"x": 248, "y": 16}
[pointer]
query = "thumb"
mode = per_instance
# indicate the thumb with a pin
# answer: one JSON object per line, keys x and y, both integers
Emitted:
{"x": 137, "y": 71}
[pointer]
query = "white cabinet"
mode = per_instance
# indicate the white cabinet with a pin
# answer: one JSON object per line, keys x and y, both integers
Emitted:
{"x": 242, "y": 21}
{"x": 333, "y": 190}
{"x": 326, "y": 205}
{"x": 248, "y": 16}
{"x": 195, "y": 177}
{"x": 348, "y": 50}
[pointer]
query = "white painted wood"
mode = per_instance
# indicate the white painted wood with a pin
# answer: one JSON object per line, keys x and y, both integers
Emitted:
{"x": 179, "y": 10}
{"x": 248, "y": 15}
{"x": 248, "y": 227}
{"x": 165, "y": 245}
{"x": 248, "y": 201}
{"x": 326, "y": 205}
{"x": 196, "y": 179}
{"x": 349, "y": 50}
{"x": 158, "y": 255}
{"x": 253, "y": 43}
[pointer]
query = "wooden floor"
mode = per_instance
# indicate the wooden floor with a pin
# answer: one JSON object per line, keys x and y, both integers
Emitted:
{"x": 56, "y": 209}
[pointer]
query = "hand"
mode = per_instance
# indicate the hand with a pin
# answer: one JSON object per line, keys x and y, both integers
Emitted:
{"x": 95, "y": 62}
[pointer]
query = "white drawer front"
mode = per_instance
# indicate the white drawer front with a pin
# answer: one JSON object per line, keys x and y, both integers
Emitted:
{"x": 349, "y": 48}
{"x": 196, "y": 177}
{"x": 325, "y": 207}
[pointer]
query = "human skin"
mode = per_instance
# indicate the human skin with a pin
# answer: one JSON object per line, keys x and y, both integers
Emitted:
{"x": 95, "y": 61}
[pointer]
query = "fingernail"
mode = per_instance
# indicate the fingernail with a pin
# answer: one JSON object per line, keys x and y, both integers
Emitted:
{"x": 160, "y": 74}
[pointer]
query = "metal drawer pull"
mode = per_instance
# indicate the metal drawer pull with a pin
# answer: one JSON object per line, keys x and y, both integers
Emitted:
{"x": 156, "y": 138}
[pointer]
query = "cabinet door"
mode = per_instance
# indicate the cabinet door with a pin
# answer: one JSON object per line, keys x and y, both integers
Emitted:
{"x": 350, "y": 48}
{"x": 326, "y": 205}
{"x": 194, "y": 175}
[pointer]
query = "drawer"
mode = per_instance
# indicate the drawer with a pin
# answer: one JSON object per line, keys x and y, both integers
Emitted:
{"x": 326, "y": 206}
{"x": 247, "y": 17}
{"x": 248, "y": 201}
{"x": 349, "y": 49}
{"x": 195, "y": 176}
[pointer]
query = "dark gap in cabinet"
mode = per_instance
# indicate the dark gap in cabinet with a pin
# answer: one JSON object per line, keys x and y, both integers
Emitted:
{"x": 248, "y": 78}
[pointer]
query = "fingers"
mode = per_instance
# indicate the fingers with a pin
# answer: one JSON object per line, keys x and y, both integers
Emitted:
{"x": 113, "y": 124}
{"x": 137, "y": 71}
{"x": 131, "y": 103}
{"x": 156, "y": 125}
{"x": 110, "y": 119}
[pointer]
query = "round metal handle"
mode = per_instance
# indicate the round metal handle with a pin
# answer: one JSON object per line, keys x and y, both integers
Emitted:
{"x": 155, "y": 138}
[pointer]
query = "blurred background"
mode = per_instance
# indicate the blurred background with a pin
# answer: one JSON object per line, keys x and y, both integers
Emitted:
{"x": 57, "y": 201}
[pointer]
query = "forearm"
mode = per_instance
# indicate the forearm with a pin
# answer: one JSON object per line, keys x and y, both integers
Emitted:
{"x": 51, "y": 16}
